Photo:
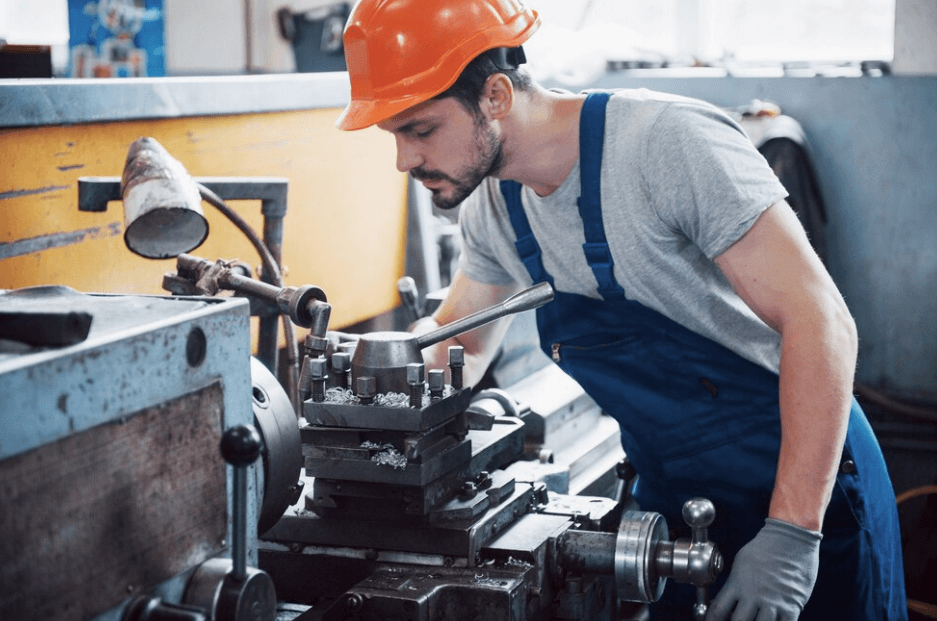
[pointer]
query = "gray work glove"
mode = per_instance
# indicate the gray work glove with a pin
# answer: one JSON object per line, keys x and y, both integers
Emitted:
{"x": 772, "y": 576}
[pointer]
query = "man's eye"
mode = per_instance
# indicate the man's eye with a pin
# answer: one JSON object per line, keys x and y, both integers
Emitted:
{"x": 425, "y": 132}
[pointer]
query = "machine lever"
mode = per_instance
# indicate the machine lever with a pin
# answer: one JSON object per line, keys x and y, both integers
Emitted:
{"x": 528, "y": 299}
{"x": 240, "y": 447}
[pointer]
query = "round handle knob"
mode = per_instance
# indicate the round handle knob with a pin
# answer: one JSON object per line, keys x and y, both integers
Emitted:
{"x": 240, "y": 446}
{"x": 699, "y": 513}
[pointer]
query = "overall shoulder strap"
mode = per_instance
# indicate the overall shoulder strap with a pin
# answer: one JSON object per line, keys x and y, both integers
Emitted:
{"x": 591, "y": 139}
{"x": 526, "y": 244}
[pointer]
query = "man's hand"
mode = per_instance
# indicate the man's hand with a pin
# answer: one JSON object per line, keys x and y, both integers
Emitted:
{"x": 772, "y": 576}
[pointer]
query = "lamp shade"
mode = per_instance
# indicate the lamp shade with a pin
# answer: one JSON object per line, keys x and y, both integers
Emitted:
{"x": 163, "y": 215}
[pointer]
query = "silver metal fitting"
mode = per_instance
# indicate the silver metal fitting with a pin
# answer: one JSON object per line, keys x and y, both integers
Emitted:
{"x": 366, "y": 388}
{"x": 415, "y": 374}
{"x": 437, "y": 383}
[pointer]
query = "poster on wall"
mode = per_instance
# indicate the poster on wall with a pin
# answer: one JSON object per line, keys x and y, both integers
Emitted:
{"x": 116, "y": 38}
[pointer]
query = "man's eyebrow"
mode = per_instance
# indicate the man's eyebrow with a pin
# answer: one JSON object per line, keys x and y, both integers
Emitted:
{"x": 410, "y": 126}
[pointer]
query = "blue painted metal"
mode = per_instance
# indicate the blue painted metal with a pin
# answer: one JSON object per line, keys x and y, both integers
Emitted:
{"x": 63, "y": 101}
{"x": 138, "y": 354}
{"x": 134, "y": 358}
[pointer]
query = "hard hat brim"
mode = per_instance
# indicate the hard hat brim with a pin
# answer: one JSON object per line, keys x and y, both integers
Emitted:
{"x": 361, "y": 114}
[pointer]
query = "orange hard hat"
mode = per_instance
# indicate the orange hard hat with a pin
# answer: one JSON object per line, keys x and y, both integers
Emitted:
{"x": 403, "y": 52}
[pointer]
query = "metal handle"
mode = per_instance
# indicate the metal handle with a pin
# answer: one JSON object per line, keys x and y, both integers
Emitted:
{"x": 528, "y": 299}
{"x": 240, "y": 447}
{"x": 704, "y": 562}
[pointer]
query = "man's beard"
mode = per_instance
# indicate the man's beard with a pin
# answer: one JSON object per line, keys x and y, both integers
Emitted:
{"x": 490, "y": 153}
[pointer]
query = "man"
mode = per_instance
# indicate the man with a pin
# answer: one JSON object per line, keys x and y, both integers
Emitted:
{"x": 689, "y": 303}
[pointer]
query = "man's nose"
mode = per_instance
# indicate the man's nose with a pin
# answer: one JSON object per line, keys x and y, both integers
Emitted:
{"x": 407, "y": 156}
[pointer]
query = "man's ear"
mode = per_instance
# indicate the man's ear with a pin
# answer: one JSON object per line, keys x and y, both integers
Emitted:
{"x": 497, "y": 96}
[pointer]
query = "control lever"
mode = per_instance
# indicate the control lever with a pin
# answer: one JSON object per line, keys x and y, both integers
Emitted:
{"x": 230, "y": 590}
{"x": 240, "y": 447}
{"x": 696, "y": 561}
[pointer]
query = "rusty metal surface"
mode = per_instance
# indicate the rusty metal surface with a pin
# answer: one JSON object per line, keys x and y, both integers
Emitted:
{"x": 106, "y": 513}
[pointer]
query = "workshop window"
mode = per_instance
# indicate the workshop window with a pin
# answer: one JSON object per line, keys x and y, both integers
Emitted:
{"x": 719, "y": 32}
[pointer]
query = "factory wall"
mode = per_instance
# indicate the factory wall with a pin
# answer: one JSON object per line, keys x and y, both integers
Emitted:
{"x": 873, "y": 144}
{"x": 345, "y": 227}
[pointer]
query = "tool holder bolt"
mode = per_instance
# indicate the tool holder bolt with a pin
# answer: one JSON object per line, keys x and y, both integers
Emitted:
{"x": 341, "y": 367}
{"x": 415, "y": 374}
{"x": 318, "y": 370}
{"x": 437, "y": 383}
{"x": 456, "y": 362}
{"x": 366, "y": 388}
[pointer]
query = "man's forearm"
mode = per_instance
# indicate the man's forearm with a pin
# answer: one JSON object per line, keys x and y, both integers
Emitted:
{"x": 816, "y": 378}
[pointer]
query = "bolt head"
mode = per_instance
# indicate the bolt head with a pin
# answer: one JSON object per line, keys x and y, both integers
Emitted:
{"x": 366, "y": 386}
{"x": 415, "y": 373}
{"x": 341, "y": 362}
{"x": 318, "y": 368}
{"x": 456, "y": 356}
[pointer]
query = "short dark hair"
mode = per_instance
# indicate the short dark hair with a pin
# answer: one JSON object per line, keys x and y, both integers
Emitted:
{"x": 467, "y": 89}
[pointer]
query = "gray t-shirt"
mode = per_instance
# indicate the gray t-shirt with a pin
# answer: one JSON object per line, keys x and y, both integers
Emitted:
{"x": 681, "y": 183}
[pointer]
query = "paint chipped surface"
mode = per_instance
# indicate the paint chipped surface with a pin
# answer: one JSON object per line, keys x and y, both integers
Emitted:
{"x": 57, "y": 240}
{"x": 32, "y": 191}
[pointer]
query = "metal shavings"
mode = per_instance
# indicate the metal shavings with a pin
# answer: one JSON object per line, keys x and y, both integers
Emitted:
{"x": 392, "y": 400}
{"x": 367, "y": 444}
{"x": 516, "y": 562}
{"x": 340, "y": 395}
{"x": 346, "y": 396}
{"x": 390, "y": 457}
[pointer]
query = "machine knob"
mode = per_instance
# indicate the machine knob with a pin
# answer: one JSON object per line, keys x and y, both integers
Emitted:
{"x": 699, "y": 514}
{"x": 240, "y": 446}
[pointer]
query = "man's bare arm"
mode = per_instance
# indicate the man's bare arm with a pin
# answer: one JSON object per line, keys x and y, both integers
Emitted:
{"x": 465, "y": 297}
{"x": 777, "y": 273}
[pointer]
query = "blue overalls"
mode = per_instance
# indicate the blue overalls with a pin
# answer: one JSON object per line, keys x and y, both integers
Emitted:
{"x": 699, "y": 420}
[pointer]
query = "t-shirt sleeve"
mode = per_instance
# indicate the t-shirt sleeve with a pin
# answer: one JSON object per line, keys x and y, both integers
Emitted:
{"x": 705, "y": 178}
{"x": 477, "y": 258}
